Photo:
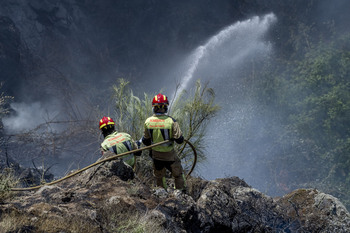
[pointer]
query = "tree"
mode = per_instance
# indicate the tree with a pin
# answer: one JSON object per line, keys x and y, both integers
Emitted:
{"x": 311, "y": 96}
{"x": 4, "y": 100}
{"x": 193, "y": 111}
{"x": 322, "y": 108}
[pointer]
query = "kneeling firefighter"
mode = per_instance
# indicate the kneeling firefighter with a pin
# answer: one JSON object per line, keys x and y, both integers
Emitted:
{"x": 158, "y": 128}
{"x": 117, "y": 142}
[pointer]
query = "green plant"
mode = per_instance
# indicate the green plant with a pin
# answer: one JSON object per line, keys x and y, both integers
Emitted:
{"x": 131, "y": 112}
{"x": 7, "y": 181}
{"x": 193, "y": 110}
{"x": 310, "y": 97}
{"x": 4, "y": 99}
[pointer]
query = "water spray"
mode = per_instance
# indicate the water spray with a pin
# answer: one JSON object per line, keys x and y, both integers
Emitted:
{"x": 255, "y": 27}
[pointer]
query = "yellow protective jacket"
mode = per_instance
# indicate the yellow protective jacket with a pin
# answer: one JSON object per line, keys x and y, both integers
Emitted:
{"x": 159, "y": 128}
{"x": 120, "y": 143}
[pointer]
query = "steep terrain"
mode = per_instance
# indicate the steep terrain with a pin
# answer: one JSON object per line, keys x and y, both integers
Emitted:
{"x": 111, "y": 198}
{"x": 63, "y": 50}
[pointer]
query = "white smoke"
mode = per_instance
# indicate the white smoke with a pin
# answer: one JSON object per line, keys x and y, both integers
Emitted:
{"x": 27, "y": 116}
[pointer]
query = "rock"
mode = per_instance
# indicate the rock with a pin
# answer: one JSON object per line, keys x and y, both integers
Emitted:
{"x": 315, "y": 211}
{"x": 115, "y": 168}
{"x": 160, "y": 193}
{"x": 111, "y": 198}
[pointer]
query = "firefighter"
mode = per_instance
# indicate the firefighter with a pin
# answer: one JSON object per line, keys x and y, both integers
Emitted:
{"x": 158, "y": 128}
{"x": 117, "y": 142}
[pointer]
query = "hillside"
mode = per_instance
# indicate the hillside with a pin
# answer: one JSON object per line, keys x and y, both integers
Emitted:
{"x": 111, "y": 198}
{"x": 283, "y": 128}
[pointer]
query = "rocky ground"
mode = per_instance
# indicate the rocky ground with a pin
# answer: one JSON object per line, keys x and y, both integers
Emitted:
{"x": 111, "y": 198}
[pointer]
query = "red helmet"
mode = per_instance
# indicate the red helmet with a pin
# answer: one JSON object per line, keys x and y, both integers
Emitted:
{"x": 160, "y": 99}
{"x": 106, "y": 121}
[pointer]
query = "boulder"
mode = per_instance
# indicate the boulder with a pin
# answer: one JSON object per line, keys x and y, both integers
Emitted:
{"x": 111, "y": 198}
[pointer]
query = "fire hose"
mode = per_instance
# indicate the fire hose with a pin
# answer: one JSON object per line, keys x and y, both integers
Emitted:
{"x": 109, "y": 159}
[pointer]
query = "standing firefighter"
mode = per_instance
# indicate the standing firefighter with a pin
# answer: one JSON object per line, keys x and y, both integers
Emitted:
{"x": 158, "y": 128}
{"x": 117, "y": 142}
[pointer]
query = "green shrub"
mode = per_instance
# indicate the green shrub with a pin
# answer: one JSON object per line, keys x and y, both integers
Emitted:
{"x": 7, "y": 181}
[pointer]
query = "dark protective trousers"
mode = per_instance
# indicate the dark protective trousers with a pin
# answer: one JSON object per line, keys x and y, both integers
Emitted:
{"x": 174, "y": 167}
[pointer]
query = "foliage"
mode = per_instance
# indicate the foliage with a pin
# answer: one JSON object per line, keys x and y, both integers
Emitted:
{"x": 4, "y": 99}
{"x": 311, "y": 98}
{"x": 7, "y": 181}
{"x": 131, "y": 112}
{"x": 322, "y": 108}
{"x": 321, "y": 102}
{"x": 194, "y": 114}
{"x": 193, "y": 111}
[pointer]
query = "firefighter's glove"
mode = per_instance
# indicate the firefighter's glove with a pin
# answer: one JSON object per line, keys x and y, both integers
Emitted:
{"x": 178, "y": 140}
{"x": 146, "y": 141}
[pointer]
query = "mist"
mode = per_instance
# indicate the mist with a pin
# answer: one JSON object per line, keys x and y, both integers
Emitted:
{"x": 68, "y": 56}
{"x": 224, "y": 61}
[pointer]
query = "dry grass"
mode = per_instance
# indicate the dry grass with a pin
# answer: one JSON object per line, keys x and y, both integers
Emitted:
{"x": 122, "y": 217}
{"x": 7, "y": 181}
{"x": 10, "y": 221}
{"x": 140, "y": 224}
{"x": 19, "y": 222}
{"x": 114, "y": 220}
{"x": 70, "y": 224}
